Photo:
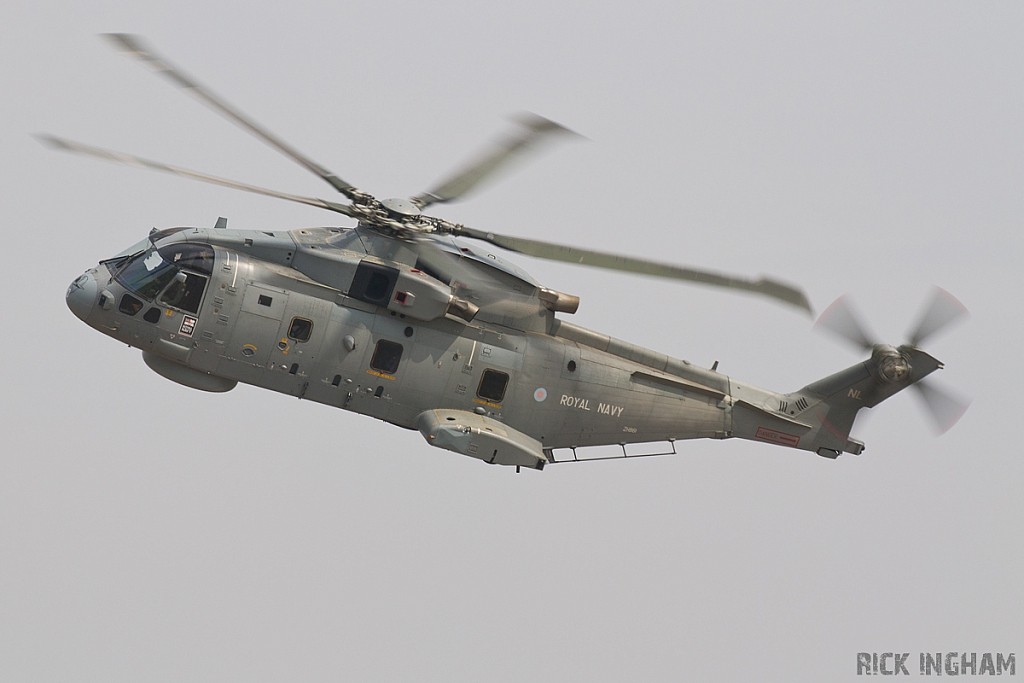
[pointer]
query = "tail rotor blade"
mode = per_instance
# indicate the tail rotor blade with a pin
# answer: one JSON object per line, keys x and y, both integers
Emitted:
{"x": 944, "y": 408}
{"x": 943, "y": 310}
{"x": 840, "y": 319}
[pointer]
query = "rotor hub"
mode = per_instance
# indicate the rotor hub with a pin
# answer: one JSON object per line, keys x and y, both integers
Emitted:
{"x": 401, "y": 207}
{"x": 893, "y": 366}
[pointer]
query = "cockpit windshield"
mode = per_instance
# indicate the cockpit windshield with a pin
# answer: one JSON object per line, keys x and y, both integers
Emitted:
{"x": 148, "y": 273}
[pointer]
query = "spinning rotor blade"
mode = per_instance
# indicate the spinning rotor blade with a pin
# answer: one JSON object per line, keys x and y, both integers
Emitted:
{"x": 943, "y": 310}
{"x": 129, "y": 160}
{"x": 944, "y": 409}
{"x": 447, "y": 266}
{"x": 457, "y": 271}
{"x": 470, "y": 283}
{"x": 133, "y": 46}
{"x": 534, "y": 131}
{"x": 839, "y": 319}
{"x": 597, "y": 259}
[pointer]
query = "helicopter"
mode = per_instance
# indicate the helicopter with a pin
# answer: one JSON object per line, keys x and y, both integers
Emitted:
{"x": 406, "y": 319}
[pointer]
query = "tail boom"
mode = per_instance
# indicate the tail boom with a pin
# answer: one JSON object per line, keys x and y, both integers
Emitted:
{"x": 819, "y": 416}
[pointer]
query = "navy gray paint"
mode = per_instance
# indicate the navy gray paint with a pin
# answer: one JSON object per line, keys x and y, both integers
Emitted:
{"x": 569, "y": 387}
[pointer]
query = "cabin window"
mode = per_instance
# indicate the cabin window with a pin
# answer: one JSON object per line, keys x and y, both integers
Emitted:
{"x": 187, "y": 294}
{"x": 386, "y": 357}
{"x": 300, "y": 329}
{"x": 492, "y": 386}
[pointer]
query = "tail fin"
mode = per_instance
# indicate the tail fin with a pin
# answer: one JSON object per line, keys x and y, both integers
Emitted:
{"x": 833, "y": 402}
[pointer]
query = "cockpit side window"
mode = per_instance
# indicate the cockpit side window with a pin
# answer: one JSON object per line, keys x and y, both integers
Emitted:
{"x": 185, "y": 295}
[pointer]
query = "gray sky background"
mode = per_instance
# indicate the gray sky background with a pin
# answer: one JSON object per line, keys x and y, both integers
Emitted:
{"x": 149, "y": 532}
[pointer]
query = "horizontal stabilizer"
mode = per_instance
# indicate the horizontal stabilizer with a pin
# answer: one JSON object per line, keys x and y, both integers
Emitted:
{"x": 758, "y": 424}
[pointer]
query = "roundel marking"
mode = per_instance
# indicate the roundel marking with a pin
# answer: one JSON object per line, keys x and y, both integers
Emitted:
{"x": 540, "y": 394}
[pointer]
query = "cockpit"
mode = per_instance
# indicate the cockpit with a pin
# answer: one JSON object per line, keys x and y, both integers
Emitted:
{"x": 174, "y": 275}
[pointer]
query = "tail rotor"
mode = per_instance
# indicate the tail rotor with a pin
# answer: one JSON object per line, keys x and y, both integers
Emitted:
{"x": 943, "y": 310}
{"x": 841, "y": 320}
{"x": 943, "y": 406}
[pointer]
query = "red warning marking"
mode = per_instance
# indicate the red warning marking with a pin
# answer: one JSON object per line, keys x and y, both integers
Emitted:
{"x": 781, "y": 438}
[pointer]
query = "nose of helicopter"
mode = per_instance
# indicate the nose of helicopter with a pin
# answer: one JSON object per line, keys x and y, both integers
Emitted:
{"x": 81, "y": 295}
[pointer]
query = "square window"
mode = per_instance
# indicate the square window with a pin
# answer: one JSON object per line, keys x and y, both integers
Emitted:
{"x": 492, "y": 386}
{"x": 265, "y": 300}
{"x": 386, "y": 357}
{"x": 300, "y": 329}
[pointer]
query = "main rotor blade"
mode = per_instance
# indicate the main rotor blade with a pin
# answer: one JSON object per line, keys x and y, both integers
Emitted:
{"x": 133, "y": 46}
{"x": 839, "y": 319}
{"x": 486, "y": 288}
{"x": 129, "y": 160}
{"x": 597, "y": 259}
{"x": 452, "y": 268}
{"x": 444, "y": 266}
{"x": 942, "y": 310}
{"x": 944, "y": 409}
{"x": 534, "y": 130}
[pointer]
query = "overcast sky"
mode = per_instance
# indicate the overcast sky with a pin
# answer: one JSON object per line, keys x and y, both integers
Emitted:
{"x": 149, "y": 532}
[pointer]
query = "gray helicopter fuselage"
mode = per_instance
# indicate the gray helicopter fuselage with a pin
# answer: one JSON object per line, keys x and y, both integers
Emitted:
{"x": 284, "y": 311}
